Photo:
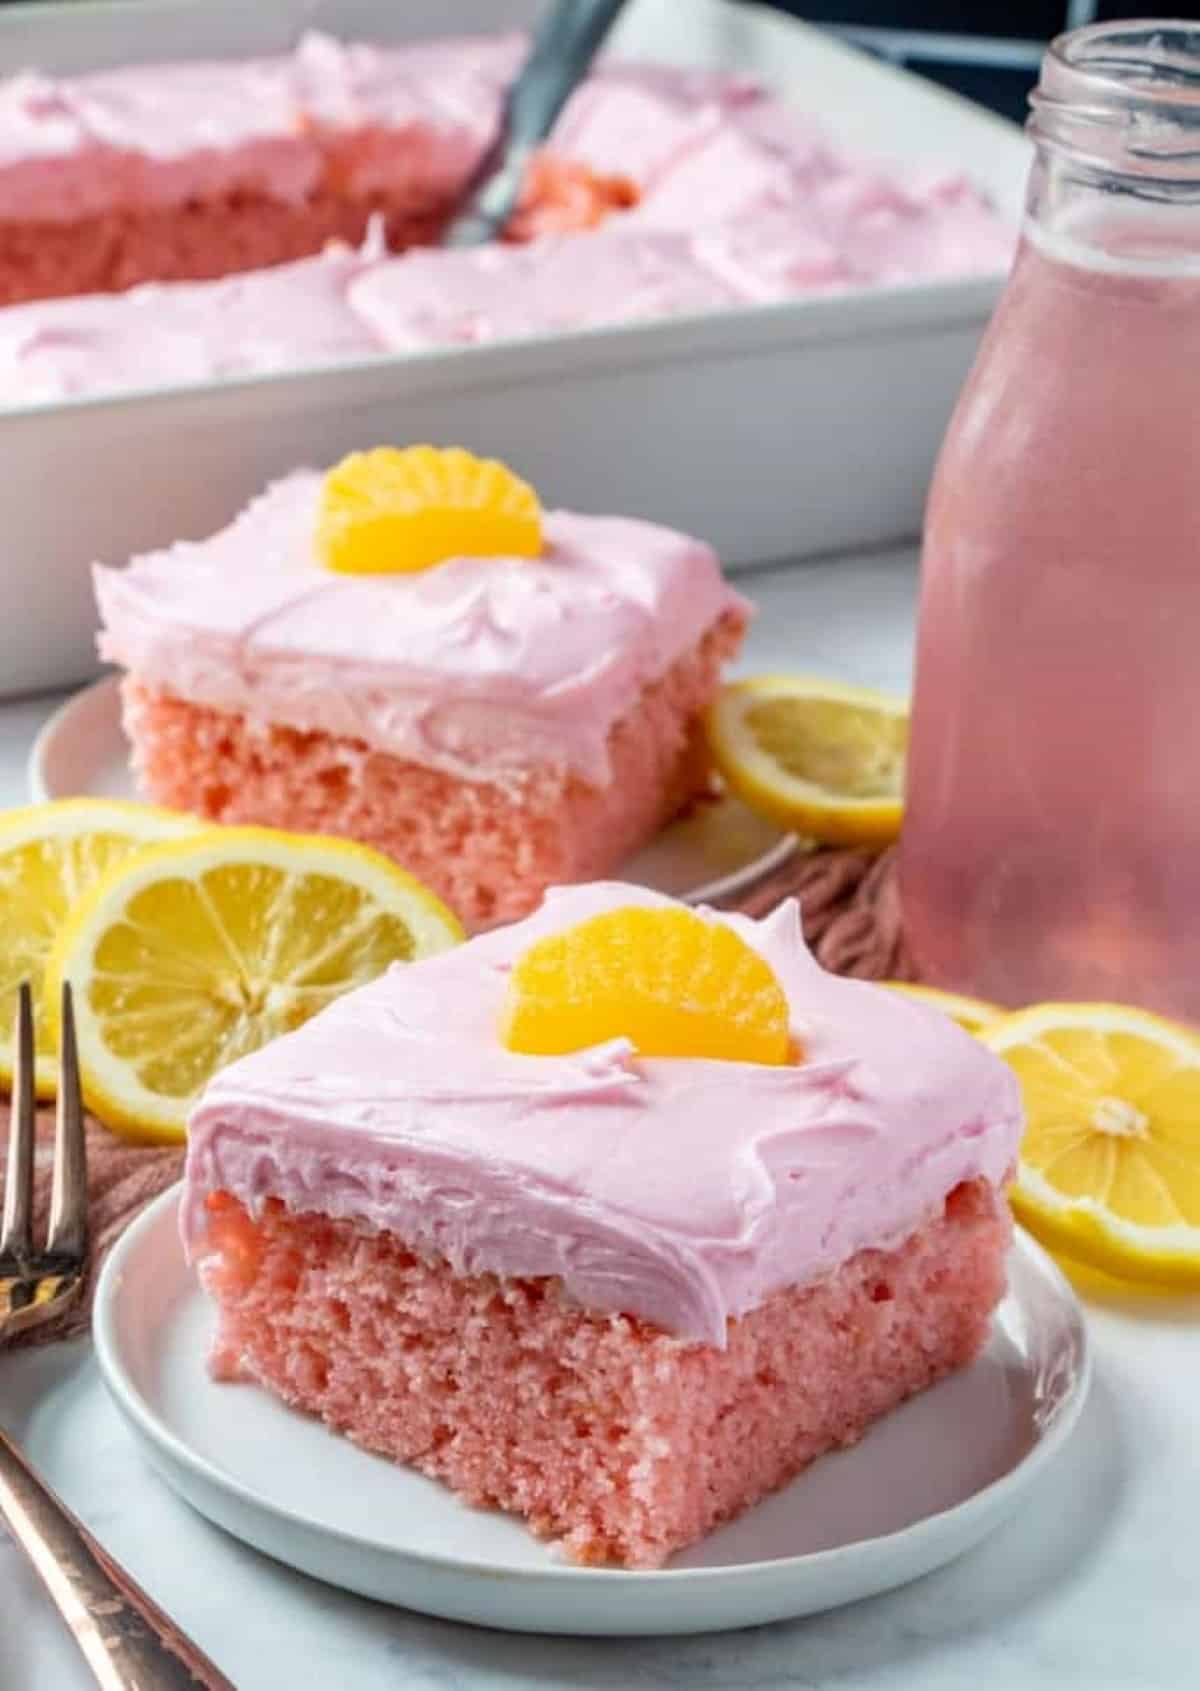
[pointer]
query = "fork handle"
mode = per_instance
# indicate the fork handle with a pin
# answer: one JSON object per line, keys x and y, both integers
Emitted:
{"x": 126, "y": 1638}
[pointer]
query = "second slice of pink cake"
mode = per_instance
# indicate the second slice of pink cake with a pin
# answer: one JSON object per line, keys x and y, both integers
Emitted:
{"x": 497, "y": 725}
{"x": 620, "y": 1296}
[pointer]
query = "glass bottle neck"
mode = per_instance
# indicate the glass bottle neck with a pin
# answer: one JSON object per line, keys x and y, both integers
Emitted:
{"x": 1091, "y": 222}
{"x": 1116, "y": 129}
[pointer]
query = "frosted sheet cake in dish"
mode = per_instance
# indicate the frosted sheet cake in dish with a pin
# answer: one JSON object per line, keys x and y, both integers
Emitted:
{"x": 859, "y": 372}
{"x": 701, "y": 190}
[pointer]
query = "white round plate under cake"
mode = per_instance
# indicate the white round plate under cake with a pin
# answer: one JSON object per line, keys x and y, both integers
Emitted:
{"x": 716, "y": 851}
{"x": 927, "y": 1482}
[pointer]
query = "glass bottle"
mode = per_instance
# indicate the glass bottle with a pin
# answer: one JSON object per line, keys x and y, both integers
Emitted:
{"x": 1052, "y": 837}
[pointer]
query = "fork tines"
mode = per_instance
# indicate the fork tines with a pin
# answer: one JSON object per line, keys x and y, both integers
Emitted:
{"x": 37, "y": 1284}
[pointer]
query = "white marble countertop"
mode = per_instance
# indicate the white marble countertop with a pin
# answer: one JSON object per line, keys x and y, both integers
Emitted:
{"x": 1093, "y": 1585}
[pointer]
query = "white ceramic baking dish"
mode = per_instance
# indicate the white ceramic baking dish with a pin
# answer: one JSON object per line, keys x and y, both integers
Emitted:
{"x": 775, "y": 432}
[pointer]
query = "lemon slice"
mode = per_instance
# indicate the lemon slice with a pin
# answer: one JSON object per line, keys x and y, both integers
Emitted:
{"x": 393, "y": 511}
{"x": 970, "y": 1013}
{"x": 190, "y": 954}
{"x": 1110, "y": 1164}
{"x": 673, "y": 983}
{"x": 816, "y": 756}
{"x": 49, "y": 855}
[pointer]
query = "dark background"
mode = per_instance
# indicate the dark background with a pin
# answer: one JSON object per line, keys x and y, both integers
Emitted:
{"x": 988, "y": 50}
{"x": 984, "y": 49}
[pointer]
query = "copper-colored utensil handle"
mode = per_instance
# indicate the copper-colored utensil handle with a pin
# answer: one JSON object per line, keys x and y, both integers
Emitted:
{"x": 127, "y": 1639}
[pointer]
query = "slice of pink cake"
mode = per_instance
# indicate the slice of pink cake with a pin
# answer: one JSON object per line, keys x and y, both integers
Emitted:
{"x": 621, "y": 1296}
{"x": 497, "y": 725}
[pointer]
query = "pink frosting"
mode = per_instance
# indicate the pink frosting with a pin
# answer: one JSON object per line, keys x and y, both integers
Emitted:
{"x": 434, "y": 297}
{"x": 171, "y": 334}
{"x": 482, "y": 667}
{"x": 151, "y": 135}
{"x": 681, "y": 1191}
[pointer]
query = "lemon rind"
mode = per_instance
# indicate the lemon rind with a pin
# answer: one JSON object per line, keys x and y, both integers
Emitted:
{"x": 973, "y": 1014}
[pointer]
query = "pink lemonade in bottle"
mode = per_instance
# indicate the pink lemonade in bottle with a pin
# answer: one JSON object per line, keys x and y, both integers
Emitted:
{"x": 1052, "y": 837}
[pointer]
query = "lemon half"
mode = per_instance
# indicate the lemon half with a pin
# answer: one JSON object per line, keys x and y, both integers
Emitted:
{"x": 816, "y": 756}
{"x": 1109, "y": 1170}
{"x": 188, "y": 955}
{"x": 50, "y": 854}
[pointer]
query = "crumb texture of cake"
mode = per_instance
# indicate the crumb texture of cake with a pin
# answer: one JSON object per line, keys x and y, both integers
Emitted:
{"x": 496, "y": 725}
{"x": 489, "y": 850}
{"x": 606, "y": 1435}
{"x": 621, "y": 1295}
{"x": 114, "y": 251}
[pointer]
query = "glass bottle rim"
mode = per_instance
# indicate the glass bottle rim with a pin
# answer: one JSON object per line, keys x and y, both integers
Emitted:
{"x": 1123, "y": 100}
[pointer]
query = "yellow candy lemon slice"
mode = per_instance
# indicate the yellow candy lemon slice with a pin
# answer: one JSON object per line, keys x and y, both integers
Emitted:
{"x": 393, "y": 511}
{"x": 674, "y": 983}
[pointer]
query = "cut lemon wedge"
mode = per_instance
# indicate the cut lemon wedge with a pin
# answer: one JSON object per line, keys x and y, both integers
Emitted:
{"x": 393, "y": 511}
{"x": 190, "y": 954}
{"x": 969, "y": 1013}
{"x": 1110, "y": 1164}
{"x": 818, "y": 757}
{"x": 668, "y": 980}
{"x": 49, "y": 855}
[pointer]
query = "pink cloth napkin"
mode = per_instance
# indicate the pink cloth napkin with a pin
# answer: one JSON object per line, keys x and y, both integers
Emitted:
{"x": 851, "y": 919}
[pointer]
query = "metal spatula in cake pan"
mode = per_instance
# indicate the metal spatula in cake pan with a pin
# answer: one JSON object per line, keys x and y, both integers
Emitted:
{"x": 563, "y": 49}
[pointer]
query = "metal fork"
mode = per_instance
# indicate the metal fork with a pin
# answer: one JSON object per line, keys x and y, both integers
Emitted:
{"x": 36, "y": 1285}
{"x": 125, "y": 1637}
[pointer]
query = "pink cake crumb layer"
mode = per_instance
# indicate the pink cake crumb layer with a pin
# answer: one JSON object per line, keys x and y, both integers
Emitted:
{"x": 117, "y": 249}
{"x": 616, "y": 1440}
{"x": 489, "y": 849}
{"x": 114, "y": 250}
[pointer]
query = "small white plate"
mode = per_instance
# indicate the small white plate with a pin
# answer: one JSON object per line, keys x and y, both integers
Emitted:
{"x": 717, "y": 851}
{"x": 927, "y": 1483}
